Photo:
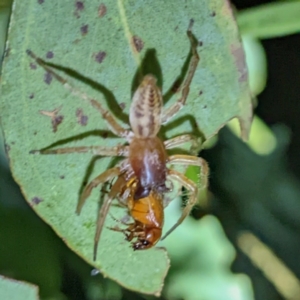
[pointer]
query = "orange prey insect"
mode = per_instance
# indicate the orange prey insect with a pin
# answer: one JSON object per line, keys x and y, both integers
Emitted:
{"x": 146, "y": 157}
{"x": 147, "y": 214}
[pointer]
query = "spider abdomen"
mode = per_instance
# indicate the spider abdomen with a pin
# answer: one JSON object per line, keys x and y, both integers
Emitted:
{"x": 146, "y": 108}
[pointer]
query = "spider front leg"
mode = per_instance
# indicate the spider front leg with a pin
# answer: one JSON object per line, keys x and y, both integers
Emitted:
{"x": 106, "y": 115}
{"x": 182, "y": 139}
{"x": 115, "y": 190}
{"x": 189, "y": 160}
{"x": 187, "y": 183}
{"x": 173, "y": 109}
{"x": 95, "y": 150}
{"x": 102, "y": 178}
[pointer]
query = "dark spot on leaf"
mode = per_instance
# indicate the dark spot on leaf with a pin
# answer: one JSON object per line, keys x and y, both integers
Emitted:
{"x": 35, "y": 133}
{"x": 213, "y": 14}
{"x": 56, "y": 121}
{"x": 122, "y": 105}
{"x": 138, "y": 43}
{"x": 81, "y": 118}
{"x": 99, "y": 57}
{"x": 47, "y": 78}
{"x": 41, "y": 1}
{"x": 104, "y": 134}
{"x": 102, "y": 10}
{"x": 200, "y": 43}
{"x": 79, "y": 5}
{"x": 200, "y": 93}
{"x": 49, "y": 55}
{"x": 12, "y": 143}
{"x": 205, "y": 106}
{"x": 31, "y": 96}
{"x": 36, "y": 200}
{"x": 62, "y": 176}
{"x": 84, "y": 29}
{"x": 55, "y": 118}
{"x": 32, "y": 66}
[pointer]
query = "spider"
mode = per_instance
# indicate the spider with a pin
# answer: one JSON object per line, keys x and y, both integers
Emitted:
{"x": 146, "y": 157}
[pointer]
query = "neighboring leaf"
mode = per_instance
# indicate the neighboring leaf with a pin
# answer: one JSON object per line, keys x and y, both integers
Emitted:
{"x": 17, "y": 290}
{"x": 104, "y": 43}
{"x": 270, "y": 20}
{"x": 204, "y": 257}
{"x": 256, "y": 63}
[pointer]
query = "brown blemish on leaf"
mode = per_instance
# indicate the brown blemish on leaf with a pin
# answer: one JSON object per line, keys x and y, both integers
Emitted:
{"x": 36, "y": 200}
{"x": 213, "y": 14}
{"x": 81, "y": 118}
{"x": 32, "y": 66}
{"x": 55, "y": 118}
{"x": 84, "y": 29}
{"x": 79, "y": 6}
{"x": 205, "y": 106}
{"x": 122, "y": 105}
{"x": 49, "y": 54}
{"x": 31, "y": 96}
{"x": 35, "y": 133}
{"x": 48, "y": 78}
{"x": 102, "y": 10}
{"x": 62, "y": 176}
{"x": 200, "y": 43}
{"x": 99, "y": 57}
{"x": 137, "y": 43}
{"x": 200, "y": 93}
{"x": 240, "y": 62}
{"x": 41, "y": 1}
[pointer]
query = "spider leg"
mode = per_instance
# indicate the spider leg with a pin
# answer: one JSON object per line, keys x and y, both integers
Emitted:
{"x": 192, "y": 161}
{"x": 119, "y": 150}
{"x": 103, "y": 177}
{"x": 106, "y": 115}
{"x": 173, "y": 109}
{"x": 117, "y": 186}
{"x": 192, "y": 188}
{"x": 182, "y": 139}
{"x": 187, "y": 183}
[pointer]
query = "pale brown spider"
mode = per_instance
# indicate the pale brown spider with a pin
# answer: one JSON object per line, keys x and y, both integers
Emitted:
{"x": 145, "y": 154}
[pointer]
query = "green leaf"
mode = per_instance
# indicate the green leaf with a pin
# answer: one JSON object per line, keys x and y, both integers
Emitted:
{"x": 270, "y": 20}
{"x": 17, "y": 290}
{"x": 204, "y": 256}
{"x": 103, "y": 45}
